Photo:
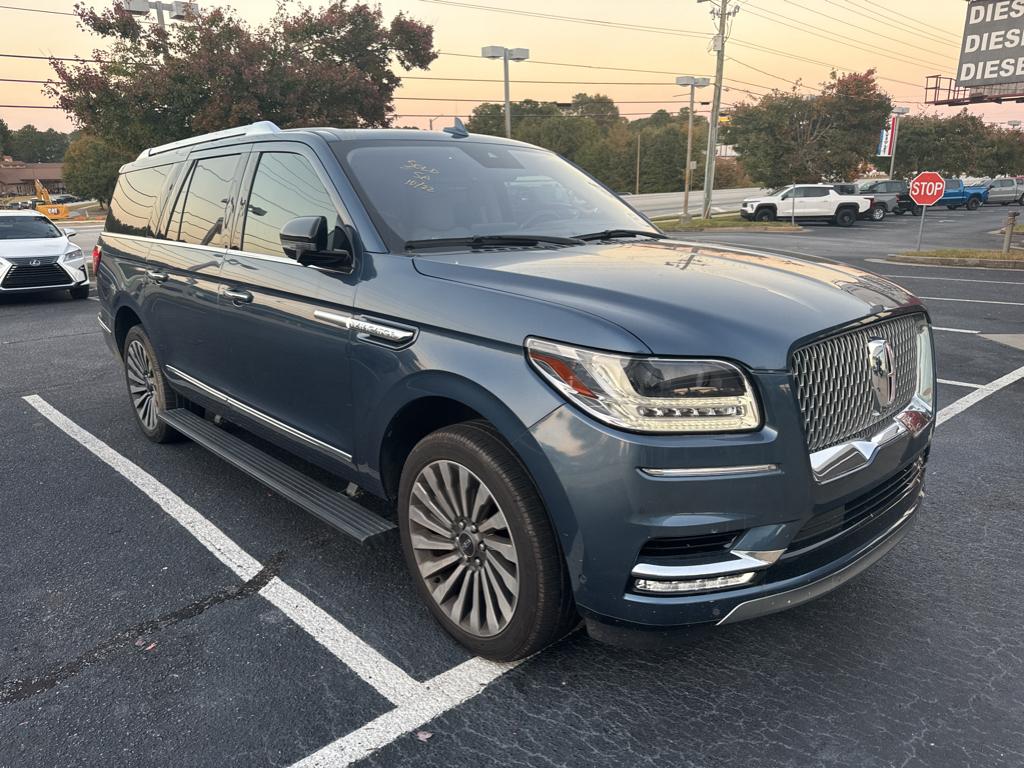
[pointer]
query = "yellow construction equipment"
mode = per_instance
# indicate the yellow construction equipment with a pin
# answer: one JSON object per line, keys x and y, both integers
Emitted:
{"x": 48, "y": 208}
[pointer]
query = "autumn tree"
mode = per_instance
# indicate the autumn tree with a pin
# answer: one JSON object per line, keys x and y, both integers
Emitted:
{"x": 948, "y": 145}
{"x": 91, "y": 166}
{"x": 792, "y": 137}
{"x": 211, "y": 71}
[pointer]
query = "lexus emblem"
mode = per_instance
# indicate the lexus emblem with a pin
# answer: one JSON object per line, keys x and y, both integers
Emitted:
{"x": 35, "y": 263}
{"x": 882, "y": 368}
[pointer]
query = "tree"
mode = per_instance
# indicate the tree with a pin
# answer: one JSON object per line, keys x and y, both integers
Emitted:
{"x": 213, "y": 71}
{"x": 597, "y": 107}
{"x": 30, "y": 145}
{"x": 5, "y": 138}
{"x": 489, "y": 118}
{"x": 91, "y": 166}
{"x": 951, "y": 146}
{"x": 790, "y": 137}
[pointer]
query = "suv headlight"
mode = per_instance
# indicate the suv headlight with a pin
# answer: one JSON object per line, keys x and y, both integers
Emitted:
{"x": 72, "y": 254}
{"x": 646, "y": 394}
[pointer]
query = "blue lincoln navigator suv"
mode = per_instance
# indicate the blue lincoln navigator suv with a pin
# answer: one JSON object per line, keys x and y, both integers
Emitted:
{"x": 571, "y": 414}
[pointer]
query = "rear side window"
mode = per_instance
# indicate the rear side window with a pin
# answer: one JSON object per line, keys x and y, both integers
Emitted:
{"x": 198, "y": 217}
{"x": 815, "y": 192}
{"x": 285, "y": 187}
{"x": 134, "y": 206}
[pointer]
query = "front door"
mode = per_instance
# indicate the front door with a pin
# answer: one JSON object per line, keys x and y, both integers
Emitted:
{"x": 284, "y": 322}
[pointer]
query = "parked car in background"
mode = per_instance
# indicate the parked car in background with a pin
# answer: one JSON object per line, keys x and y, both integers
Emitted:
{"x": 958, "y": 195}
{"x": 571, "y": 415}
{"x": 807, "y": 202}
{"x": 1005, "y": 191}
{"x": 884, "y": 188}
{"x": 36, "y": 255}
{"x": 882, "y": 202}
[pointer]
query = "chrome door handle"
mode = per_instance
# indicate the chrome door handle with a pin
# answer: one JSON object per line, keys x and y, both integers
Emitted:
{"x": 238, "y": 297}
{"x": 156, "y": 276}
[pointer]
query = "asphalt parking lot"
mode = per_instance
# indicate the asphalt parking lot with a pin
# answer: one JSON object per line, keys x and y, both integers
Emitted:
{"x": 160, "y": 608}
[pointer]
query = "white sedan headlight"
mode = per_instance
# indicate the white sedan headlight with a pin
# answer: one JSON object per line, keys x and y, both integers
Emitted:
{"x": 645, "y": 394}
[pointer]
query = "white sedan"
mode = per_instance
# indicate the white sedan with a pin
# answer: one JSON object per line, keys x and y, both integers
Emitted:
{"x": 36, "y": 255}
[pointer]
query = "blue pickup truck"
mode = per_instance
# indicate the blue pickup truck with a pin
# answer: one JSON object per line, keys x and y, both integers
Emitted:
{"x": 958, "y": 194}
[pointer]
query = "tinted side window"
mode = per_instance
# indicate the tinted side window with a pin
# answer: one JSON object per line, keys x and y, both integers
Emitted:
{"x": 134, "y": 205}
{"x": 285, "y": 187}
{"x": 815, "y": 192}
{"x": 199, "y": 212}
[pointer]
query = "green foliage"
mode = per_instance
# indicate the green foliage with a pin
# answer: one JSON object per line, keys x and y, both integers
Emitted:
{"x": 957, "y": 145}
{"x": 5, "y": 137}
{"x": 790, "y": 137}
{"x": 90, "y": 167}
{"x": 212, "y": 71}
{"x": 30, "y": 145}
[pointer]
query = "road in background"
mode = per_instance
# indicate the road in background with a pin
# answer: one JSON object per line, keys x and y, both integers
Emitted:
{"x": 671, "y": 203}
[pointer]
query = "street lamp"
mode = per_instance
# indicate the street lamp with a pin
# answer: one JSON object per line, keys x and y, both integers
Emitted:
{"x": 694, "y": 83}
{"x": 506, "y": 55}
{"x": 899, "y": 112}
{"x": 1015, "y": 124}
{"x": 178, "y": 11}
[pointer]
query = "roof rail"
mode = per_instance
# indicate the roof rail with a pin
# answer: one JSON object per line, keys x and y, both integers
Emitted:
{"x": 264, "y": 126}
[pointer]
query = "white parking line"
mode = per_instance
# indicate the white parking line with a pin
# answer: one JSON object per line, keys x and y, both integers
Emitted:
{"x": 956, "y": 279}
{"x": 953, "y": 330}
{"x": 416, "y": 703}
{"x": 388, "y": 679}
{"x": 975, "y": 301}
{"x": 953, "y": 383}
{"x": 965, "y": 402}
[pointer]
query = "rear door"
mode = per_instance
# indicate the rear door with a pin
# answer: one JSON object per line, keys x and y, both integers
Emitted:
{"x": 818, "y": 201}
{"x": 180, "y": 301}
{"x": 285, "y": 323}
{"x": 1001, "y": 191}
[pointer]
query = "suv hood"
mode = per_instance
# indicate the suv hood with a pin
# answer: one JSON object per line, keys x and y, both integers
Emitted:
{"x": 680, "y": 298}
{"x": 36, "y": 246}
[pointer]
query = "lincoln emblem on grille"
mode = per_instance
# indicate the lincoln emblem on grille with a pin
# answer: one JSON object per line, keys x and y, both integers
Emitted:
{"x": 883, "y": 372}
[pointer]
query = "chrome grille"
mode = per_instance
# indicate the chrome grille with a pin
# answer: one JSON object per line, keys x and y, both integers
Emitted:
{"x": 833, "y": 381}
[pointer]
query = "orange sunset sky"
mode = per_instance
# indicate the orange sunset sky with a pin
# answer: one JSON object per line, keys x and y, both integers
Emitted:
{"x": 841, "y": 33}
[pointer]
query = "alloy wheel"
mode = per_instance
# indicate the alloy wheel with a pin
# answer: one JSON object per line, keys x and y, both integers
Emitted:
{"x": 141, "y": 384}
{"x": 464, "y": 548}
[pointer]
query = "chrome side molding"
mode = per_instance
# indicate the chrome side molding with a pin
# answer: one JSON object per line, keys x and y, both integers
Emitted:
{"x": 371, "y": 328}
{"x": 248, "y": 410}
{"x": 749, "y": 469}
{"x": 742, "y": 560}
{"x": 844, "y": 459}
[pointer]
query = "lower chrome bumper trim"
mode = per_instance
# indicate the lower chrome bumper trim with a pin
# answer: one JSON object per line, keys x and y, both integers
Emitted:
{"x": 741, "y": 561}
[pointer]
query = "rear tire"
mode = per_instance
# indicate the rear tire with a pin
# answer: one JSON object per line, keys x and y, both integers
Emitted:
{"x": 79, "y": 291}
{"x": 900, "y": 211}
{"x": 148, "y": 390}
{"x": 845, "y": 217}
{"x": 491, "y": 571}
{"x": 916, "y": 210}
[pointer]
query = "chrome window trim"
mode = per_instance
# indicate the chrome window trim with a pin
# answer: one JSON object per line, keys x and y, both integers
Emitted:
{"x": 224, "y": 251}
{"x": 256, "y": 414}
{"x": 742, "y": 560}
{"x": 749, "y": 469}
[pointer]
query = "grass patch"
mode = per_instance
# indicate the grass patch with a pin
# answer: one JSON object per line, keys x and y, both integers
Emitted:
{"x": 968, "y": 253}
{"x": 726, "y": 221}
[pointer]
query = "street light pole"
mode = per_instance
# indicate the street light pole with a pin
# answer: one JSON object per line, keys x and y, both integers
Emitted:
{"x": 177, "y": 10}
{"x": 506, "y": 55}
{"x": 723, "y": 14}
{"x": 899, "y": 112}
{"x": 694, "y": 83}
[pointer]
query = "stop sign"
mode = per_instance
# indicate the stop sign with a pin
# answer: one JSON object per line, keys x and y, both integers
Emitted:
{"x": 927, "y": 188}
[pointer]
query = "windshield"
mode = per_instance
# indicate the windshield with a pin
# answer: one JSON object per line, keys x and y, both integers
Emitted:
{"x": 26, "y": 228}
{"x": 425, "y": 190}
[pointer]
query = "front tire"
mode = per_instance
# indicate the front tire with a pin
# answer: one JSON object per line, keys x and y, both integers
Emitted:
{"x": 973, "y": 204}
{"x": 479, "y": 545}
{"x": 764, "y": 214}
{"x": 148, "y": 390}
{"x": 79, "y": 291}
{"x": 845, "y": 217}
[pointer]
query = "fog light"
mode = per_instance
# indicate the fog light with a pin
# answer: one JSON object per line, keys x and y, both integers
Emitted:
{"x": 693, "y": 585}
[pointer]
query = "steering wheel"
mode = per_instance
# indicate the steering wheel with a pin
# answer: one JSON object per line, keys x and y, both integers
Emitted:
{"x": 554, "y": 212}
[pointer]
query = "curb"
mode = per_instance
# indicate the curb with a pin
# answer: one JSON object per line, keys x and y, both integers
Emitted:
{"x": 957, "y": 262}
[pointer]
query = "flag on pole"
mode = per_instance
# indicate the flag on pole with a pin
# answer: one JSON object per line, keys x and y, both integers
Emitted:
{"x": 886, "y": 138}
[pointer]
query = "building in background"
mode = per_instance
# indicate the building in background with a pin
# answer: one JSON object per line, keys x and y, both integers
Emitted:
{"x": 20, "y": 178}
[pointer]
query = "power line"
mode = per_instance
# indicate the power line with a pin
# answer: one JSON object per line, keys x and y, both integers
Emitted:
{"x": 567, "y": 64}
{"x": 35, "y": 10}
{"x": 906, "y": 22}
{"x": 890, "y": 21}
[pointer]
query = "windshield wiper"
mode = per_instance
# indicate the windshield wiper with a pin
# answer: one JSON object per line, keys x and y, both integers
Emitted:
{"x": 608, "y": 234}
{"x": 485, "y": 240}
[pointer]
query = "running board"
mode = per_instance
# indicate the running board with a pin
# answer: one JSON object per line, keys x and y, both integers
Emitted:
{"x": 333, "y": 508}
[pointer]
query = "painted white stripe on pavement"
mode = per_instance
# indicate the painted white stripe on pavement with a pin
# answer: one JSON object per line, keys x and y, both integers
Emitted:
{"x": 956, "y": 279}
{"x": 388, "y": 679}
{"x": 953, "y": 383}
{"x": 441, "y": 693}
{"x": 953, "y": 330}
{"x": 965, "y": 402}
{"x": 974, "y": 301}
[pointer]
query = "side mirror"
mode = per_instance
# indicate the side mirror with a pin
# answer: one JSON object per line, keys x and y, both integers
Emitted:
{"x": 70, "y": 232}
{"x": 306, "y": 240}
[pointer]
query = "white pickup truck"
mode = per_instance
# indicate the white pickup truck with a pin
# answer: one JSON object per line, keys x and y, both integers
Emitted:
{"x": 807, "y": 202}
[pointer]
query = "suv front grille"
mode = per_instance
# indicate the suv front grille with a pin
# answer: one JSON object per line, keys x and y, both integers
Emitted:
{"x": 36, "y": 277}
{"x": 833, "y": 381}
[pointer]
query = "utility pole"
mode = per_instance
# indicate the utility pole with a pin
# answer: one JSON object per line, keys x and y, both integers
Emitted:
{"x": 723, "y": 13}
{"x": 637, "y": 164}
{"x": 694, "y": 83}
{"x": 899, "y": 112}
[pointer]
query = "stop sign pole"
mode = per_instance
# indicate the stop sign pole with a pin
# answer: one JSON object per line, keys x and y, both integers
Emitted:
{"x": 926, "y": 189}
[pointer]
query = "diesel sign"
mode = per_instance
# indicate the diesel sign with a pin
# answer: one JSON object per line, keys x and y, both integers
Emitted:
{"x": 992, "y": 51}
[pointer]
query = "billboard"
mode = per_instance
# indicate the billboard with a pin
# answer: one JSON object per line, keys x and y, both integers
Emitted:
{"x": 992, "y": 50}
{"x": 887, "y": 138}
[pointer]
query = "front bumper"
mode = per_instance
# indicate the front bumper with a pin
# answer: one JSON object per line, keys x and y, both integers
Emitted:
{"x": 610, "y": 515}
{"x": 49, "y": 275}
